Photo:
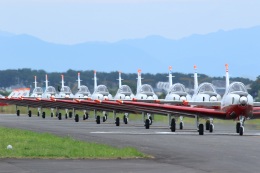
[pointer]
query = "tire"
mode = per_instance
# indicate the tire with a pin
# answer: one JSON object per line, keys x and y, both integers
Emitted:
{"x": 181, "y": 125}
{"x": 51, "y": 114}
{"x": 66, "y": 115}
{"x": 18, "y": 112}
{"x": 98, "y": 119}
{"x": 43, "y": 115}
{"x": 57, "y": 114}
{"x": 147, "y": 124}
{"x": 84, "y": 117}
{"x": 207, "y": 125}
{"x": 237, "y": 127}
{"x": 70, "y": 114}
{"x": 173, "y": 125}
{"x": 125, "y": 119}
{"x": 59, "y": 117}
{"x": 30, "y": 113}
{"x": 38, "y": 114}
{"x": 241, "y": 131}
{"x": 76, "y": 118}
{"x": 117, "y": 121}
{"x": 104, "y": 119}
{"x": 201, "y": 129}
{"x": 211, "y": 128}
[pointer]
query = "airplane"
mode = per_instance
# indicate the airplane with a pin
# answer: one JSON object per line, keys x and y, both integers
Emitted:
{"x": 50, "y": 91}
{"x": 100, "y": 93}
{"x": 124, "y": 92}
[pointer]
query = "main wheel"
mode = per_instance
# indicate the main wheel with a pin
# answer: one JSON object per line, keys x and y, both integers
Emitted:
{"x": 29, "y": 113}
{"x": 98, "y": 119}
{"x": 70, "y": 114}
{"x": 104, "y": 119}
{"x": 43, "y": 115}
{"x": 59, "y": 117}
{"x": 38, "y": 114}
{"x": 86, "y": 115}
{"x": 173, "y": 125}
{"x": 237, "y": 127}
{"x": 51, "y": 114}
{"x": 241, "y": 131}
{"x": 181, "y": 125}
{"x": 18, "y": 112}
{"x": 66, "y": 115}
{"x": 147, "y": 124}
{"x": 211, "y": 128}
{"x": 201, "y": 129}
{"x": 117, "y": 121}
{"x": 207, "y": 125}
{"x": 125, "y": 119}
{"x": 76, "y": 118}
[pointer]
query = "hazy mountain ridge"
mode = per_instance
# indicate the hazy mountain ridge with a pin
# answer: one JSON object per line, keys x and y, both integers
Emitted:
{"x": 153, "y": 54}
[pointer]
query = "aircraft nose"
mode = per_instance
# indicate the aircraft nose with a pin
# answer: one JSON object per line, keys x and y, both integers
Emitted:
{"x": 182, "y": 98}
{"x": 243, "y": 100}
{"x": 213, "y": 98}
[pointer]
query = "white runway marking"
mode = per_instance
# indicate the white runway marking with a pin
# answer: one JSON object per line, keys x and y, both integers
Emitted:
{"x": 170, "y": 133}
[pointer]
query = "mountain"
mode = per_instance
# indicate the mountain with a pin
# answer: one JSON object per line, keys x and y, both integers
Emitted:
{"x": 239, "y": 48}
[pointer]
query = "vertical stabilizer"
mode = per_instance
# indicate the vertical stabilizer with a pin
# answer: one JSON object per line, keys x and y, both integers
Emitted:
{"x": 62, "y": 81}
{"x": 78, "y": 80}
{"x": 139, "y": 79}
{"x": 196, "y": 84}
{"x": 170, "y": 77}
{"x": 46, "y": 81}
{"x": 95, "y": 80}
{"x": 227, "y": 76}
{"x": 120, "y": 79}
{"x": 35, "y": 82}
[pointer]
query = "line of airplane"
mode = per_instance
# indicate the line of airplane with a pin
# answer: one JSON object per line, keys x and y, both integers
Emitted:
{"x": 205, "y": 103}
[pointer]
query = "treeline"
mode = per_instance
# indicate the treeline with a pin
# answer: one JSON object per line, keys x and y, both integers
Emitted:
{"x": 25, "y": 77}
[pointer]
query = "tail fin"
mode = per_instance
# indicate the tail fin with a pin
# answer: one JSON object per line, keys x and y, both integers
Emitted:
{"x": 46, "y": 81}
{"x": 62, "y": 81}
{"x": 227, "y": 76}
{"x": 120, "y": 79}
{"x": 139, "y": 79}
{"x": 170, "y": 76}
{"x": 35, "y": 81}
{"x": 95, "y": 80}
{"x": 196, "y": 84}
{"x": 78, "y": 80}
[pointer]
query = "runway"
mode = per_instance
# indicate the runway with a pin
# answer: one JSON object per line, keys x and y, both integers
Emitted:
{"x": 182, "y": 151}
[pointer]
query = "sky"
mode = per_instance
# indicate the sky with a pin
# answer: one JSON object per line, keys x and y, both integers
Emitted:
{"x": 77, "y": 21}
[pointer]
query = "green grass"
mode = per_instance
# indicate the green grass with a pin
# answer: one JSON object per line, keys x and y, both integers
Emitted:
{"x": 27, "y": 144}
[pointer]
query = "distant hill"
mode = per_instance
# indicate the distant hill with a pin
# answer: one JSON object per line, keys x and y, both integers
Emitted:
{"x": 239, "y": 48}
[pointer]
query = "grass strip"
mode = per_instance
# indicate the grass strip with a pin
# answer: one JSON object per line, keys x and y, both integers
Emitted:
{"x": 27, "y": 144}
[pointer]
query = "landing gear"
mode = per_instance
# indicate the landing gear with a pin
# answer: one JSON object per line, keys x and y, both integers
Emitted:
{"x": 98, "y": 119}
{"x": 117, "y": 121}
{"x": 125, "y": 118}
{"x": 43, "y": 115}
{"x": 207, "y": 124}
{"x": 201, "y": 129}
{"x": 210, "y": 125}
{"x": 70, "y": 114}
{"x": 59, "y": 117}
{"x": 76, "y": 118}
{"x": 147, "y": 124}
{"x": 173, "y": 125}
{"x": 85, "y": 116}
{"x": 30, "y": 113}
{"x": 52, "y": 114}
{"x": 66, "y": 115}
{"x": 181, "y": 123}
{"x": 38, "y": 113}
{"x": 240, "y": 126}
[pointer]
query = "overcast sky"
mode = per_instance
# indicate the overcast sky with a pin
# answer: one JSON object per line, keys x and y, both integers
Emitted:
{"x": 75, "y": 21}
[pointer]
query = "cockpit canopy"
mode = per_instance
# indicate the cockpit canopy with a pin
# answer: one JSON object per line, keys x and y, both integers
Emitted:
{"x": 237, "y": 88}
{"x": 177, "y": 89}
{"x": 125, "y": 89}
{"x": 50, "y": 89}
{"x": 146, "y": 89}
{"x": 83, "y": 90}
{"x": 206, "y": 88}
{"x": 65, "y": 89}
{"x": 102, "y": 89}
{"x": 38, "y": 90}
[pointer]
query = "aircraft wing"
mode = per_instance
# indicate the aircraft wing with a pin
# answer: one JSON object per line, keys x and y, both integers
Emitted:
{"x": 256, "y": 104}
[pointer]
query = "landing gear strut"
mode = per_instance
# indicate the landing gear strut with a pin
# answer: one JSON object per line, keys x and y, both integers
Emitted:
{"x": 240, "y": 126}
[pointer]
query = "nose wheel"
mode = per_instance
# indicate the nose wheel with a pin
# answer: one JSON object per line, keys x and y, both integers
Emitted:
{"x": 240, "y": 126}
